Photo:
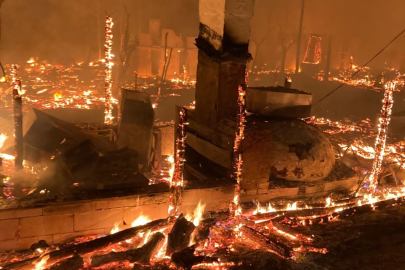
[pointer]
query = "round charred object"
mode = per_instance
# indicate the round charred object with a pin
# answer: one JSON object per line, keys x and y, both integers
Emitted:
{"x": 288, "y": 149}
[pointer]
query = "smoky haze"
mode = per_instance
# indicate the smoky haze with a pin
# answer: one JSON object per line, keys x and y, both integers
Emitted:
{"x": 69, "y": 31}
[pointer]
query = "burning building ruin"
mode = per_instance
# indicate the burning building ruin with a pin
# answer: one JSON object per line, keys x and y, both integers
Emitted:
{"x": 254, "y": 180}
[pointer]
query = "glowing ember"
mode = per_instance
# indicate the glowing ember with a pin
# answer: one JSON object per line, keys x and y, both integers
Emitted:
{"x": 13, "y": 74}
{"x": 108, "y": 118}
{"x": 58, "y": 96}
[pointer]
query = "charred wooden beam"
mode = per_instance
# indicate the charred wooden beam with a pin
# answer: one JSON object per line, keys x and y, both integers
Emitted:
{"x": 300, "y": 212}
{"x": 266, "y": 242}
{"x": 141, "y": 255}
{"x": 180, "y": 235}
{"x": 73, "y": 263}
{"x": 186, "y": 258}
{"x": 345, "y": 213}
{"x": 98, "y": 243}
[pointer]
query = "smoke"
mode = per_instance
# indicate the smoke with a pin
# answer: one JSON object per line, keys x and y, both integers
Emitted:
{"x": 72, "y": 30}
{"x": 363, "y": 26}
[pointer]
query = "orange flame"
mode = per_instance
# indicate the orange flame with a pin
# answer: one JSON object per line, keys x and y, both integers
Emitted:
{"x": 58, "y": 96}
{"x": 39, "y": 265}
{"x": 116, "y": 228}
{"x": 141, "y": 220}
{"x": 3, "y": 138}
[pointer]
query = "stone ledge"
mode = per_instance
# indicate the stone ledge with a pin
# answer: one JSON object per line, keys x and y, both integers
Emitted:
{"x": 19, "y": 213}
{"x": 69, "y": 208}
{"x": 45, "y": 225}
{"x": 8, "y": 229}
{"x": 60, "y": 222}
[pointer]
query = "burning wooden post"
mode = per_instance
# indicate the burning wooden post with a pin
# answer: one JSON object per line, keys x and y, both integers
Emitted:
{"x": 108, "y": 118}
{"x": 18, "y": 129}
{"x": 176, "y": 182}
{"x": 237, "y": 149}
{"x": 384, "y": 120}
{"x": 297, "y": 61}
{"x": 136, "y": 80}
{"x": 287, "y": 82}
{"x": 328, "y": 60}
{"x": 3, "y": 139}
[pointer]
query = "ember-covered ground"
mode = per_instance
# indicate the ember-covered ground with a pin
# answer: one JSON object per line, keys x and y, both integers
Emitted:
{"x": 373, "y": 239}
{"x": 363, "y": 237}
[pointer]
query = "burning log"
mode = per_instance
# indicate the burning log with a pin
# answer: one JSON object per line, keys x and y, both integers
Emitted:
{"x": 73, "y": 263}
{"x": 344, "y": 213}
{"x": 93, "y": 245}
{"x": 179, "y": 237}
{"x": 141, "y": 255}
{"x": 290, "y": 233}
{"x": 266, "y": 242}
{"x": 186, "y": 258}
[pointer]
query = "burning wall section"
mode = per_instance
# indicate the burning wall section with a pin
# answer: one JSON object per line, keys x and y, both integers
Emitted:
{"x": 59, "y": 222}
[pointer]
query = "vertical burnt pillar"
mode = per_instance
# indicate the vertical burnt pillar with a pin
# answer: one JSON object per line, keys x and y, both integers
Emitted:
{"x": 18, "y": 129}
{"x": 135, "y": 130}
{"x": 222, "y": 57}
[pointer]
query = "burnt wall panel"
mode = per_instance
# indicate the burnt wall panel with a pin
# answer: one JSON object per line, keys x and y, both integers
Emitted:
{"x": 206, "y": 96}
{"x": 231, "y": 75}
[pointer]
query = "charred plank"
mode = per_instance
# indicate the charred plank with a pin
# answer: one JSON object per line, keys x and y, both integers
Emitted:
{"x": 266, "y": 242}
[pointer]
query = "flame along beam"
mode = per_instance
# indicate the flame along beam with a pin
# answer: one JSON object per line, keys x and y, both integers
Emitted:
{"x": 234, "y": 208}
{"x": 176, "y": 183}
{"x": 380, "y": 141}
{"x": 108, "y": 118}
